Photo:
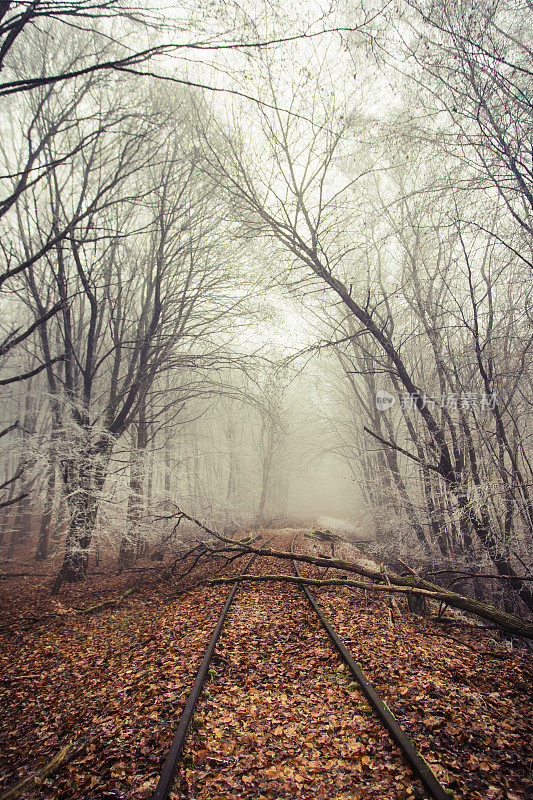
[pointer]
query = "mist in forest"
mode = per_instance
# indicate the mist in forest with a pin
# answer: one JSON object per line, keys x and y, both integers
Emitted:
{"x": 270, "y": 267}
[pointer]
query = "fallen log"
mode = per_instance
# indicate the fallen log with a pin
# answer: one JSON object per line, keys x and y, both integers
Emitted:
{"x": 20, "y": 788}
{"x": 506, "y": 621}
{"x": 378, "y": 587}
{"x": 106, "y": 604}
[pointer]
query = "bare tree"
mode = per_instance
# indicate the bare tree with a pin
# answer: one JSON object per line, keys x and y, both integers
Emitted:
{"x": 132, "y": 309}
{"x": 299, "y": 199}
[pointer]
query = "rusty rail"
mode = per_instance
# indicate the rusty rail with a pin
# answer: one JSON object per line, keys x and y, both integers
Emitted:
{"x": 413, "y": 757}
{"x": 170, "y": 766}
{"x": 418, "y": 764}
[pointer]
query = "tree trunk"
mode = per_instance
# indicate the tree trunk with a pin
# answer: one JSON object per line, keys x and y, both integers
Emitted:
{"x": 20, "y": 524}
{"x": 6, "y": 513}
{"x": 41, "y": 553}
{"x": 265, "y": 477}
{"x": 131, "y": 546}
{"x": 83, "y": 481}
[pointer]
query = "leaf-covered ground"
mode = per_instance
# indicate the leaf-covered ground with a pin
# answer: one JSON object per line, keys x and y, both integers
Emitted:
{"x": 279, "y": 718}
{"x": 458, "y": 693}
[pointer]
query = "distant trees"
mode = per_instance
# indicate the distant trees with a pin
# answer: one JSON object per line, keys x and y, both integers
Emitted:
{"x": 314, "y": 193}
{"x": 269, "y": 398}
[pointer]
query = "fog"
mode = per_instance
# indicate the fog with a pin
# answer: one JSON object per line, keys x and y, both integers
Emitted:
{"x": 271, "y": 267}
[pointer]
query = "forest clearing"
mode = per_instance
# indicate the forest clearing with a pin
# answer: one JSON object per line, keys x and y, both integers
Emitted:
{"x": 266, "y": 461}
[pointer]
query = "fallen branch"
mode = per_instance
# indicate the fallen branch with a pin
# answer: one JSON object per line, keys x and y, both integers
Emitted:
{"x": 508, "y": 622}
{"x": 491, "y": 575}
{"x": 409, "y": 569}
{"x": 64, "y": 612}
{"x": 25, "y": 785}
{"x": 25, "y": 575}
{"x": 378, "y": 587}
{"x": 441, "y": 635}
{"x": 105, "y": 604}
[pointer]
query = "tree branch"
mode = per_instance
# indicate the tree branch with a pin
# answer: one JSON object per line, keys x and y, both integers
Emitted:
{"x": 31, "y": 373}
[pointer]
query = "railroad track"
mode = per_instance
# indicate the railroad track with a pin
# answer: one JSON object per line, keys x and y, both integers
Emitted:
{"x": 247, "y": 631}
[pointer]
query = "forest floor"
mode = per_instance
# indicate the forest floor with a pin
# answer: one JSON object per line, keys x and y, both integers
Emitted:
{"x": 279, "y": 717}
